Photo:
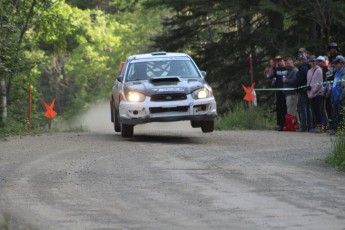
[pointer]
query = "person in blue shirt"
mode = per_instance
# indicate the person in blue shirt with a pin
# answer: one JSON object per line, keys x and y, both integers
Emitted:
{"x": 337, "y": 92}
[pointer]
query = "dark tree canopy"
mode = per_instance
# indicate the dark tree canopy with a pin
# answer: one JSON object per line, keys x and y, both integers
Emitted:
{"x": 221, "y": 35}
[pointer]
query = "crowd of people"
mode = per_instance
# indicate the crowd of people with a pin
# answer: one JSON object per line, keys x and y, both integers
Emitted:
{"x": 313, "y": 92}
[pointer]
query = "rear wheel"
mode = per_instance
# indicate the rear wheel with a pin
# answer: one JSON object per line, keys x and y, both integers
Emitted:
{"x": 207, "y": 126}
{"x": 127, "y": 130}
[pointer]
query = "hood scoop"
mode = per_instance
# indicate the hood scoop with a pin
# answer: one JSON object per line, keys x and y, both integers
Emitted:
{"x": 164, "y": 79}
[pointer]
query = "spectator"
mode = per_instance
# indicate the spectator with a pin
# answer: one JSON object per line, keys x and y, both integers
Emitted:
{"x": 337, "y": 92}
{"x": 315, "y": 81}
{"x": 321, "y": 61}
{"x": 290, "y": 82}
{"x": 278, "y": 74}
{"x": 303, "y": 51}
{"x": 329, "y": 77}
{"x": 326, "y": 107}
{"x": 303, "y": 104}
{"x": 269, "y": 69}
{"x": 333, "y": 52}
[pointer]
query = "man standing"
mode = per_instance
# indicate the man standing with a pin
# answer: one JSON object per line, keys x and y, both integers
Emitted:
{"x": 303, "y": 104}
{"x": 315, "y": 81}
{"x": 278, "y": 74}
{"x": 337, "y": 92}
{"x": 326, "y": 106}
{"x": 333, "y": 51}
{"x": 290, "y": 82}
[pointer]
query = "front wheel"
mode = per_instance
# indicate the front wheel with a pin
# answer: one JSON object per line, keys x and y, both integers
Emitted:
{"x": 127, "y": 130}
{"x": 115, "y": 118}
{"x": 195, "y": 124}
{"x": 207, "y": 126}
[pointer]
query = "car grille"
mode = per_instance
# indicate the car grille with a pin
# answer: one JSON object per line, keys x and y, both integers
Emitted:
{"x": 169, "y": 97}
{"x": 170, "y": 109}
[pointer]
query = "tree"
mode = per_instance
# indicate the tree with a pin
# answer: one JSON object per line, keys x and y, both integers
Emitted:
{"x": 222, "y": 34}
{"x": 68, "y": 52}
{"x": 95, "y": 46}
{"x": 16, "y": 19}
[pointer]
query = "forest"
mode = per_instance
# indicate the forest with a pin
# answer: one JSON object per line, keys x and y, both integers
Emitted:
{"x": 70, "y": 50}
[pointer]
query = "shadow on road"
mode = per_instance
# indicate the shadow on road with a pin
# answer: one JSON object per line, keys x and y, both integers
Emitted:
{"x": 165, "y": 139}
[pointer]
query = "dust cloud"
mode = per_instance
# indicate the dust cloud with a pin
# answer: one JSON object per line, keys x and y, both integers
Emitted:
{"x": 97, "y": 119}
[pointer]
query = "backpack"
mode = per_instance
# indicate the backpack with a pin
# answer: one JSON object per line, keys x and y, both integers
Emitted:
{"x": 291, "y": 123}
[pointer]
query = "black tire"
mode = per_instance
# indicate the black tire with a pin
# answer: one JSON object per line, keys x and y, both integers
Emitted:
{"x": 112, "y": 111}
{"x": 115, "y": 118}
{"x": 207, "y": 126}
{"x": 127, "y": 130}
{"x": 195, "y": 124}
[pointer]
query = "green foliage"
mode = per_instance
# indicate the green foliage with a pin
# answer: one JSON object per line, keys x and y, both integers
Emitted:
{"x": 337, "y": 156}
{"x": 54, "y": 27}
{"x": 243, "y": 119}
{"x": 68, "y": 52}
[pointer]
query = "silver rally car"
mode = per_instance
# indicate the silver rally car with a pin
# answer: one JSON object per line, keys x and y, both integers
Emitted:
{"x": 161, "y": 87}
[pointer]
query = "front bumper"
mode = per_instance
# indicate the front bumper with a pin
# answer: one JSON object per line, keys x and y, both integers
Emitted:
{"x": 133, "y": 113}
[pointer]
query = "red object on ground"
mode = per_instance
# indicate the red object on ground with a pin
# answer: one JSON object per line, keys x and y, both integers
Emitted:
{"x": 290, "y": 123}
{"x": 50, "y": 112}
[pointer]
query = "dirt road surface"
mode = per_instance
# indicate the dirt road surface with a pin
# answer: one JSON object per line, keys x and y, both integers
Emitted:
{"x": 169, "y": 176}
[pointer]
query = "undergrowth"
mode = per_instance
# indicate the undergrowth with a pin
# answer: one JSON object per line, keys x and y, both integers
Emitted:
{"x": 241, "y": 118}
{"x": 19, "y": 127}
{"x": 337, "y": 156}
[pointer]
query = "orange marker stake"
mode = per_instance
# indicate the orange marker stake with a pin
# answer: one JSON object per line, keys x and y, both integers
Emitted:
{"x": 50, "y": 114}
{"x": 249, "y": 93}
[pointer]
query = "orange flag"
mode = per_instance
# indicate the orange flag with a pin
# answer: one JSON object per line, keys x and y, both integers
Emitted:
{"x": 249, "y": 93}
{"x": 50, "y": 112}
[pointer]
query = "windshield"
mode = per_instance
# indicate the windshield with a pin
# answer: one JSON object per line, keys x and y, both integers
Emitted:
{"x": 146, "y": 69}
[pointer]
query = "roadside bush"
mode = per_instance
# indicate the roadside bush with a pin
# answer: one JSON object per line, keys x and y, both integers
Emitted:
{"x": 16, "y": 124}
{"x": 337, "y": 157}
{"x": 243, "y": 119}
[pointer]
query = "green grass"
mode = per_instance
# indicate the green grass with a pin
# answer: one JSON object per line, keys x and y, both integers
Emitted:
{"x": 19, "y": 127}
{"x": 243, "y": 119}
{"x": 337, "y": 156}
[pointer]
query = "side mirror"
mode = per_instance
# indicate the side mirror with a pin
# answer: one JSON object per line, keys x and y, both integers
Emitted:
{"x": 120, "y": 79}
{"x": 203, "y": 74}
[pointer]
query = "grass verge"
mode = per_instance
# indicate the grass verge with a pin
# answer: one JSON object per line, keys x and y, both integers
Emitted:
{"x": 19, "y": 127}
{"x": 243, "y": 119}
{"x": 337, "y": 157}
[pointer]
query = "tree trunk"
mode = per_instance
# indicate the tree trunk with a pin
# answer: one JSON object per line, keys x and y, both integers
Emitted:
{"x": 3, "y": 100}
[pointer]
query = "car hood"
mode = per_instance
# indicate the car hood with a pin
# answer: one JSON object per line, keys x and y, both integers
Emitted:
{"x": 165, "y": 85}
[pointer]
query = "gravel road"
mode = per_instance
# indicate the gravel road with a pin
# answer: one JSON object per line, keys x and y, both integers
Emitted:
{"x": 170, "y": 176}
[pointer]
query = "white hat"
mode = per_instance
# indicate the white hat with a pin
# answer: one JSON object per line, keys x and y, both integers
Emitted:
{"x": 321, "y": 58}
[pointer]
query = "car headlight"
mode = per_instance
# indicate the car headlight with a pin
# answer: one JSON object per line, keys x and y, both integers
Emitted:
{"x": 202, "y": 93}
{"x": 133, "y": 96}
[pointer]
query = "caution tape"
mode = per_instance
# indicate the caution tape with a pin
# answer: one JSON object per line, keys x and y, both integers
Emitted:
{"x": 300, "y": 87}
{"x": 274, "y": 89}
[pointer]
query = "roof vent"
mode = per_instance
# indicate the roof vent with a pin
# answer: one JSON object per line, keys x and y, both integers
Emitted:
{"x": 159, "y": 53}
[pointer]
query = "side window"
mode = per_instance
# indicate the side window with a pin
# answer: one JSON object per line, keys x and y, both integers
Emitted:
{"x": 137, "y": 71}
{"x": 130, "y": 72}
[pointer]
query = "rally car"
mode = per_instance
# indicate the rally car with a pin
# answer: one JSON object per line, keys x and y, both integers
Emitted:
{"x": 161, "y": 87}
